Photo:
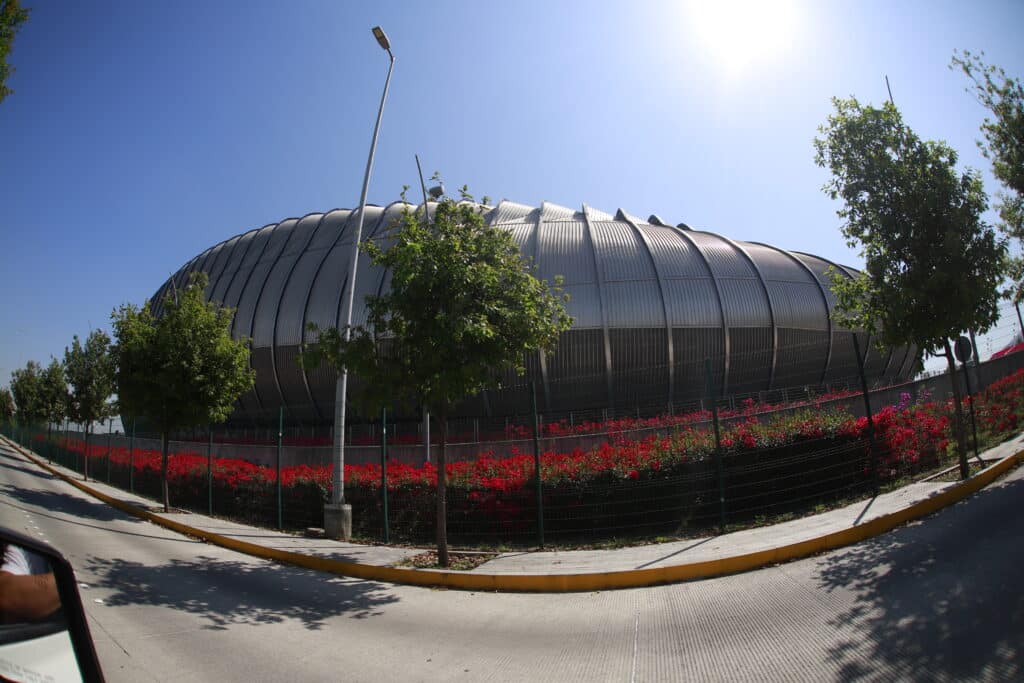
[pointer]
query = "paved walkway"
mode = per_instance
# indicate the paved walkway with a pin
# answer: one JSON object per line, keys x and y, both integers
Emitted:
{"x": 562, "y": 562}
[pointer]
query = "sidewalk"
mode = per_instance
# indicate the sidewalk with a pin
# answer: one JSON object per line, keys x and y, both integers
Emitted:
{"x": 580, "y": 569}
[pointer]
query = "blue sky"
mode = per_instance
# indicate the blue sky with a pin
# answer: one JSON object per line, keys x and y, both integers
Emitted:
{"x": 140, "y": 133}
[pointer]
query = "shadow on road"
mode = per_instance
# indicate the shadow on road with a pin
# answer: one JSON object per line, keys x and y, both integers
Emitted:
{"x": 229, "y": 592}
{"x": 940, "y": 599}
{"x": 56, "y": 501}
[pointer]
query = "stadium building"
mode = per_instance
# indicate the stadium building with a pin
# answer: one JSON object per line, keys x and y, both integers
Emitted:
{"x": 657, "y": 308}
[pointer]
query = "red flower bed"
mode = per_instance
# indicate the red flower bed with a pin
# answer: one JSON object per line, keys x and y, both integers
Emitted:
{"x": 629, "y": 475}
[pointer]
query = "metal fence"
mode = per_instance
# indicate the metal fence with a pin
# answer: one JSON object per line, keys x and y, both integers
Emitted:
{"x": 285, "y": 483}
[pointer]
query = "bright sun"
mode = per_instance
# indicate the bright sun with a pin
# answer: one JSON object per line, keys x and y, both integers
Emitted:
{"x": 740, "y": 33}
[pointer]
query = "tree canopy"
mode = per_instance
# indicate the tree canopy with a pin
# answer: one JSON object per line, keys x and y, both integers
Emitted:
{"x": 6, "y": 405}
{"x": 1003, "y": 96}
{"x": 27, "y": 388}
{"x": 462, "y": 310}
{"x": 89, "y": 369}
{"x": 54, "y": 393}
{"x": 932, "y": 266}
{"x": 182, "y": 369}
{"x": 12, "y": 16}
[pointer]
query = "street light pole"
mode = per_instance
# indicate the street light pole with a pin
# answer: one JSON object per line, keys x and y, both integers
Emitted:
{"x": 338, "y": 515}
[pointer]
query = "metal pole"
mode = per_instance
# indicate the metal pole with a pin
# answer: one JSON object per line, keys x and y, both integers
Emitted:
{"x": 131, "y": 460}
{"x": 712, "y": 394}
{"x": 384, "y": 473}
{"x": 867, "y": 409}
{"x": 536, "y": 465}
{"x": 1020, "y": 321}
{"x": 974, "y": 423}
{"x": 209, "y": 469}
{"x": 110, "y": 429}
{"x": 338, "y": 478}
{"x": 280, "y": 435}
{"x": 426, "y": 433}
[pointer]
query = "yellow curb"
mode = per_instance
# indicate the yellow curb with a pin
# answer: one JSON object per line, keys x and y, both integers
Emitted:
{"x": 557, "y": 583}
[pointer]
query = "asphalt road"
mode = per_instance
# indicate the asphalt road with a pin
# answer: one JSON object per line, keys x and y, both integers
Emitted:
{"x": 940, "y": 599}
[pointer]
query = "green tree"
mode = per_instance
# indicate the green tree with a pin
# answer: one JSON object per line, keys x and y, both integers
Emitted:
{"x": 463, "y": 309}
{"x": 182, "y": 369}
{"x": 1003, "y": 145}
{"x": 54, "y": 395}
{"x": 6, "y": 405}
{"x": 932, "y": 266}
{"x": 27, "y": 387}
{"x": 89, "y": 369}
{"x": 12, "y": 16}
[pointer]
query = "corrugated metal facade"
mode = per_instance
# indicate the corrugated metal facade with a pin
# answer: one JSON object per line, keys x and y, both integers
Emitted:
{"x": 651, "y": 303}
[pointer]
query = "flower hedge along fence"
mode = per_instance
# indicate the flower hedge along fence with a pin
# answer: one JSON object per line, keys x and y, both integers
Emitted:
{"x": 661, "y": 483}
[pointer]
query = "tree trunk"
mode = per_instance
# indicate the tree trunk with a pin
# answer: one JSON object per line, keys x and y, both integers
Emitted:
{"x": 442, "y": 492}
{"x": 85, "y": 455}
{"x": 163, "y": 471}
{"x": 958, "y": 423}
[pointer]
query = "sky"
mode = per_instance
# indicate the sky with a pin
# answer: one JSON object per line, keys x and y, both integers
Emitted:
{"x": 141, "y": 133}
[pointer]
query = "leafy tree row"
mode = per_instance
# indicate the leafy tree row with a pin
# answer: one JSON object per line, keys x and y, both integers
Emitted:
{"x": 178, "y": 371}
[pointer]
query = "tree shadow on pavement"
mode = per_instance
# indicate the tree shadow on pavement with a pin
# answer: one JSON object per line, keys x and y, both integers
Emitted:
{"x": 939, "y": 599}
{"x": 226, "y": 593}
{"x": 66, "y": 503}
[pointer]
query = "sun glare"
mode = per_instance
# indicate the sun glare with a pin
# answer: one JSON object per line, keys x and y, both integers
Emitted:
{"x": 741, "y": 34}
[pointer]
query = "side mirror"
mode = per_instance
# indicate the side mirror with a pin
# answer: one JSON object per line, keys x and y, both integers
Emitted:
{"x": 44, "y": 634}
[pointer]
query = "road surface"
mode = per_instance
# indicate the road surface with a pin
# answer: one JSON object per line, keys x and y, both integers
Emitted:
{"x": 939, "y": 599}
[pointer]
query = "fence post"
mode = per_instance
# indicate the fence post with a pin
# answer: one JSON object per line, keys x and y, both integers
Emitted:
{"x": 110, "y": 431}
{"x": 280, "y": 434}
{"x": 536, "y": 464}
{"x": 131, "y": 460}
{"x": 426, "y": 433}
{"x": 384, "y": 472}
{"x": 867, "y": 409}
{"x": 970, "y": 400}
{"x": 209, "y": 470}
{"x": 712, "y": 394}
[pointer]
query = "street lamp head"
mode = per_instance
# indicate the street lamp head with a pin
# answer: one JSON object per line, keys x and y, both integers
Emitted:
{"x": 381, "y": 37}
{"x": 436, "y": 192}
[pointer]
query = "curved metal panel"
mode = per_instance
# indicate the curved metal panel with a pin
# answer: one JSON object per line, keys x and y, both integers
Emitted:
{"x": 264, "y": 326}
{"x": 511, "y": 212}
{"x": 814, "y": 267}
{"x": 773, "y": 321}
{"x": 237, "y": 289}
{"x": 662, "y": 292}
{"x": 154, "y": 302}
{"x": 204, "y": 262}
{"x": 686, "y": 236}
{"x": 240, "y": 277}
{"x": 369, "y": 276}
{"x": 248, "y": 307}
{"x": 178, "y": 280}
{"x": 826, "y": 316}
{"x": 224, "y": 250}
{"x": 234, "y": 261}
{"x": 321, "y": 304}
{"x": 288, "y": 329}
{"x": 587, "y": 245}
